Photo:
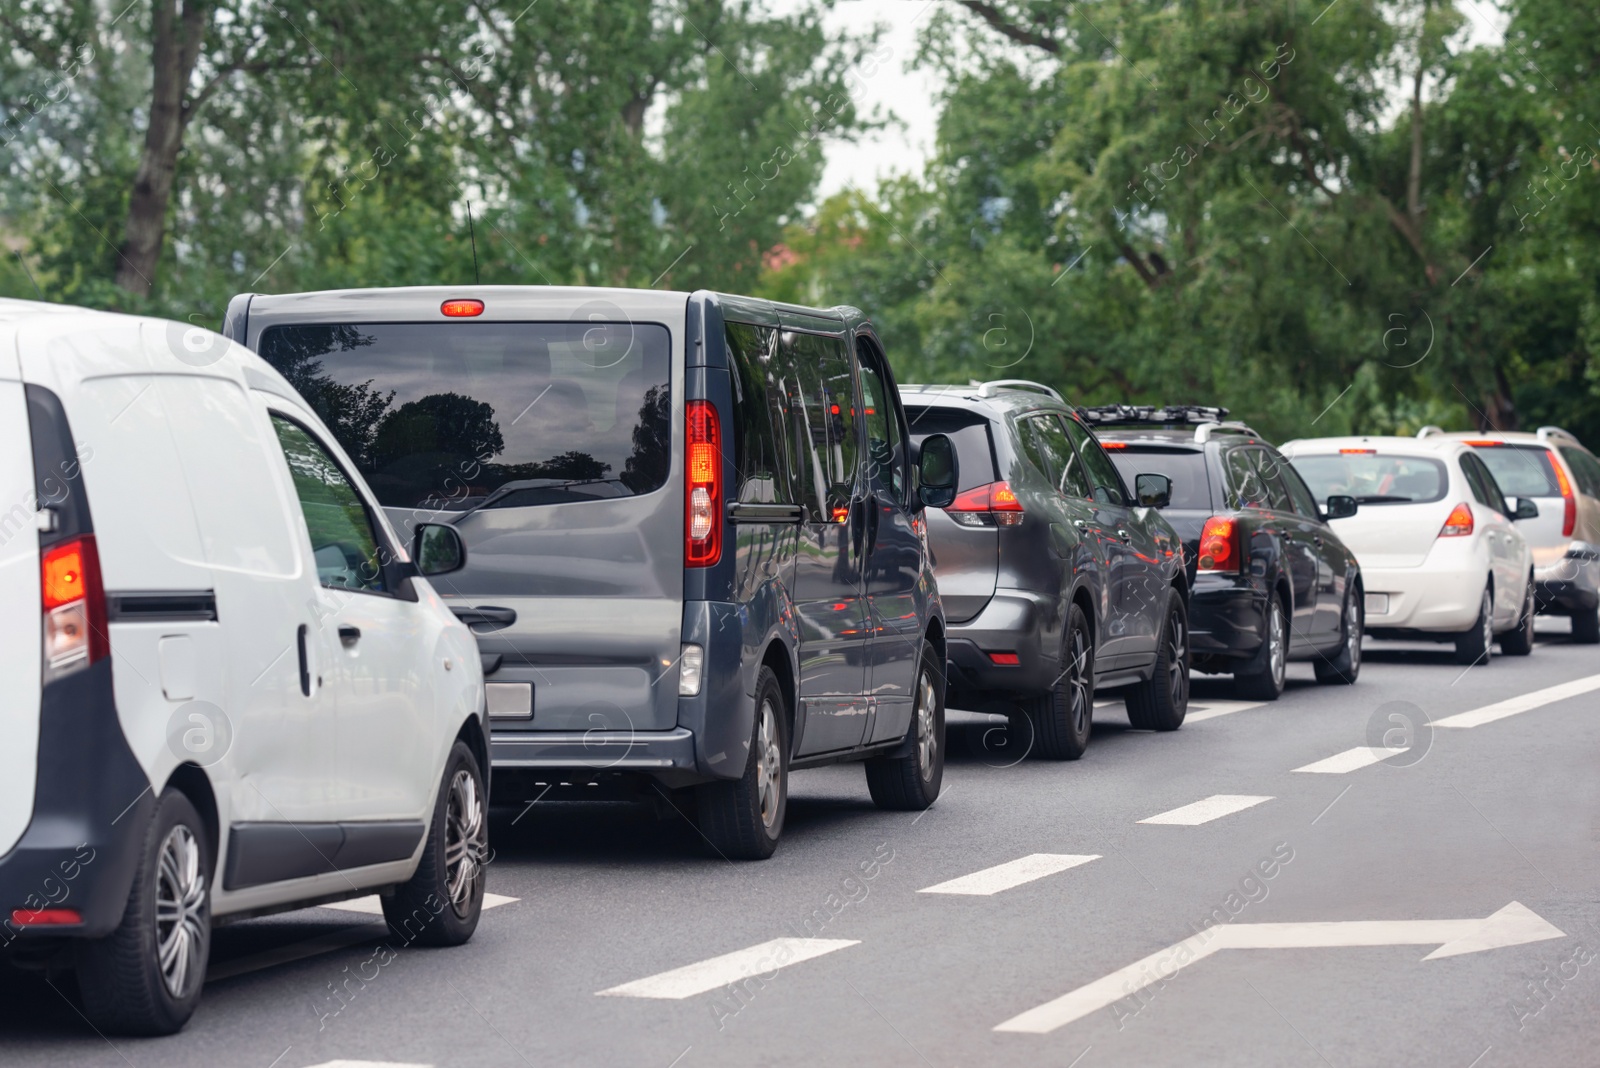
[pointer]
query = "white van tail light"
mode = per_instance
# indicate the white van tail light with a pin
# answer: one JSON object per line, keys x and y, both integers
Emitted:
{"x": 1459, "y": 523}
{"x": 702, "y": 541}
{"x": 1569, "y": 503}
{"x": 74, "y": 604}
{"x": 691, "y": 670}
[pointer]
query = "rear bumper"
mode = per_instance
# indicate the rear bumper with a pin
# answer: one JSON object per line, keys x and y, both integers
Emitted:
{"x": 588, "y": 756}
{"x": 1434, "y": 600}
{"x": 1571, "y": 584}
{"x": 1227, "y": 617}
{"x": 1011, "y": 622}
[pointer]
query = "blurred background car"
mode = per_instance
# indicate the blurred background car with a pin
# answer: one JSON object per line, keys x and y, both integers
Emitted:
{"x": 1440, "y": 546}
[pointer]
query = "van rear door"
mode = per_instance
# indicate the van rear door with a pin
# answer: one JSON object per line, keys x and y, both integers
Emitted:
{"x": 20, "y": 654}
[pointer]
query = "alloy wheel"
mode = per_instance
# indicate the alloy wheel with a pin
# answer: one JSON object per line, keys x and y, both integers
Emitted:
{"x": 180, "y": 912}
{"x": 1275, "y": 653}
{"x": 1177, "y": 659}
{"x": 1078, "y": 682}
{"x": 927, "y": 736}
{"x": 1352, "y": 630}
{"x": 1486, "y": 610}
{"x": 769, "y": 764}
{"x": 466, "y": 845}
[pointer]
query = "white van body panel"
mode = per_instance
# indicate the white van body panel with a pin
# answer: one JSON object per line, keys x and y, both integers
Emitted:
{"x": 20, "y": 618}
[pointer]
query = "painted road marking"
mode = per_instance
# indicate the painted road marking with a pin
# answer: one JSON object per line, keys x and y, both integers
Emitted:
{"x": 1351, "y": 760}
{"x": 1212, "y": 808}
{"x": 369, "y": 1064}
{"x": 1213, "y": 709}
{"x": 373, "y": 906}
{"x": 704, "y": 975}
{"x": 1517, "y": 705}
{"x": 1012, "y": 873}
{"x": 1513, "y": 925}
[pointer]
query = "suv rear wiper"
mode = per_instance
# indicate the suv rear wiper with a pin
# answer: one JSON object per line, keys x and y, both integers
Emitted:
{"x": 507, "y": 489}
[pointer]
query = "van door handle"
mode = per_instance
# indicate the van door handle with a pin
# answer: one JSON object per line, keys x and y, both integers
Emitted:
{"x": 305, "y": 664}
{"x": 502, "y": 616}
{"x": 349, "y": 635}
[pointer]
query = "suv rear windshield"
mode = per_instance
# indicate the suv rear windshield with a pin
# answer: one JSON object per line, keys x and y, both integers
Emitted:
{"x": 1373, "y": 478}
{"x": 1191, "y": 487}
{"x": 450, "y": 416}
{"x": 970, "y": 433}
{"x": 1521, "y": 470}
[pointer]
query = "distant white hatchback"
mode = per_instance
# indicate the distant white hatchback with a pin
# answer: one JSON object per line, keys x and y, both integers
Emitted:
{"x": 228, "y": 689}
{"x": 1440, "y": 551}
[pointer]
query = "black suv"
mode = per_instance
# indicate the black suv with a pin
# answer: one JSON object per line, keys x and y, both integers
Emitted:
{"x": 1272, "y": 581}
{"x": 1055, "y": 578}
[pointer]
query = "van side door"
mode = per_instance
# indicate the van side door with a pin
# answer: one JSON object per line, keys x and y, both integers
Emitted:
{"x": 829, "y": 592}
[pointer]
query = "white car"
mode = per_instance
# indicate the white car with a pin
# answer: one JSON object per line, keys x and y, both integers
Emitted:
{"x": 228, "y": 690}
{"x": 1554, "y": 469}
{"x": 1438, "y": 543}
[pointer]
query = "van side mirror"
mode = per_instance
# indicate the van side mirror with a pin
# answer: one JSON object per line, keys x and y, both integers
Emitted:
{"x": 437, "y": 549}
{"x": 1339, "y": 506}
{"x": 1525, "y": 509}
{"x": 937, "y": 474}
{"x": 1153, "y": 491}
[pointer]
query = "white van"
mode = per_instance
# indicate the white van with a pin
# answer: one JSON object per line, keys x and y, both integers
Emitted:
{"x": 228, "y": 690}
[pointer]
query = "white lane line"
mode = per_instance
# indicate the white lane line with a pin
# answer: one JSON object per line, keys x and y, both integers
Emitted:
{"x": 1517, "y": 705}
{"x": 373, "y": 906}
{"x": 1212, "y": 808}
{"x": 1361, "y": 756}
{"x": 1213, "y": 709}
{"x": 370, "y": 1064}
{"x": 1011, "y": 873}
{"x": 705, "y": 975}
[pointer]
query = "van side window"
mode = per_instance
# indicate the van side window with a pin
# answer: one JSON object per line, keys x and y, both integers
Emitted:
{"x": 760, "y": 426}
{"x": 884, "y": 452}
{"x": 822, "y": 399}
{"x": 343, "y": 541}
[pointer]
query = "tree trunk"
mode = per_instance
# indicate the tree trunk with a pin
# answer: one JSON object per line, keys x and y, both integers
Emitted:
{"x": 174, "y": 49}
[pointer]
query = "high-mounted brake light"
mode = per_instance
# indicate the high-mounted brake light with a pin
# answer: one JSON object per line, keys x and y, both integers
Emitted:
{"x": 991, "y": 505}
{"x": 1113, "y": 444}
{"x": 458, "y": 309}
{"x": 702, "y": 531}
{"x": 1357, "y": 452}
{"x": 1459, "y": 523}
{"x": 1569, "y": 503}
{"x": 1219, "y": 546}
{"x": 1482, "y": 443}
{"x": 74, "y": 603}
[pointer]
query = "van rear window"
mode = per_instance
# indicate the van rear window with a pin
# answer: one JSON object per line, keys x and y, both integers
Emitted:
{"x": 451, "y": 416}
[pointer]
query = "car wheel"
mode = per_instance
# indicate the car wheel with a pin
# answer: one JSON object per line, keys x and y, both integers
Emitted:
{"x": 1473, "y": 647}
{"x": 1062, "y": 717}
{"x": 1161, "y": 702}
{"x": 743, "y": 818}
{"x": 1345, "y": 668}
{"x": 441, "y": 903}
{"x": 1519, "y": 640}
{"x": 1266, "y": 682}
{"x": 145, "y": 977}
{"x": 1586, "y": 627}
{"x": 911, "y": 782}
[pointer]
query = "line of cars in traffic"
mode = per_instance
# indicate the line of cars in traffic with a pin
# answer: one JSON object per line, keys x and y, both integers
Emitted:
{"x": 281, "y": 599}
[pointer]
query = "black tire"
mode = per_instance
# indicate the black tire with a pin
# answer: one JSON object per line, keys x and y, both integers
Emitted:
{"x": 126, "y": 989}
{"x": 911, "y": 783}
{"x": 1586, "y": 627}
{"x": 441, "y": 903}
{"x": 1344, "y": 668}
{"x": 1473, "y": 647}
{"x": 742, "y": 818}
{"x": 1161, "y": 702}
{"x": 1061, "y": 719}
{"x": 1518, "y": 641}
{"x": 1266, "y": 682}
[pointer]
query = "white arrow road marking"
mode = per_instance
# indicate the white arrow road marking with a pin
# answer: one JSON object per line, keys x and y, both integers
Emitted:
{"x": 1517, "y": 705}
{"x": 1212, "y": 808}
{"x": 1351, "y": 760}
{"x": 1011, "y": 873}
{"x": 704, "y": 975}
{"x": 1513, "y": 925}
{"x": 373, "y": 906}
{"x": 1213, "y": 709}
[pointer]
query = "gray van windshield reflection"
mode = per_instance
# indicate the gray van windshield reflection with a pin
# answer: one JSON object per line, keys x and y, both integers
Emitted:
{"x": 458, "y": 416}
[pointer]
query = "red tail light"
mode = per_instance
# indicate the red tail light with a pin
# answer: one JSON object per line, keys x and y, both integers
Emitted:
{"x": 991, "y": 505}
{"x": 1219, "y": 546}
{"x": 74, "y": 604}
{"x": 45, "y": 917}
{"x": 1005, "y": 659}
{"x": 1569, "y": 503}
{"x": 1459, "y": 524}
{"x": 702, "y": 529}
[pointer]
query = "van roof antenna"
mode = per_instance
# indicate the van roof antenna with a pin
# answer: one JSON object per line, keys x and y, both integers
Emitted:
{"x": 471, "y": 230}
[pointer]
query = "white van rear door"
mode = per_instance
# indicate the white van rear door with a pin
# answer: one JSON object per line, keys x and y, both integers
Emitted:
{"x": 19, "y": 604}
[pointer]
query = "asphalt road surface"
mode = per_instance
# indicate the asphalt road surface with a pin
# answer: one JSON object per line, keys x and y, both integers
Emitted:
{"x": 1304, "y": 859}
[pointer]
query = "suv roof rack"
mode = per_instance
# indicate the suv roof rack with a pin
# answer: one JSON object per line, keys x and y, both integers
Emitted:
{"x": 1152, "y": 415}
{"x": 1203, "y": 432}
{"x": 1545, "y": 432}
{"x": 989, "y": 389}
{"x": 1430, "y": 430}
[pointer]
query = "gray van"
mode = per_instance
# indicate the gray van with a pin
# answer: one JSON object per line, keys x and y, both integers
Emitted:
{"x": 696, "y": 552}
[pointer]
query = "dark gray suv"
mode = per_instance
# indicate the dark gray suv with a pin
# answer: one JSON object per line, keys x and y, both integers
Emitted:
{"x": 1056, "y": 579}
{"x": 693, "y": 528}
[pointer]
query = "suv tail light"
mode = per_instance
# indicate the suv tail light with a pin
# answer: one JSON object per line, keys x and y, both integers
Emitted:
{"x": 1219, "y": 546}
{"x": 1569, "y": 503}
{"x": 74, "y": 604}
{"x": 1459, "y": 524}
{"x": 702, "y": 523}
{"x": 991, "y": 505}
